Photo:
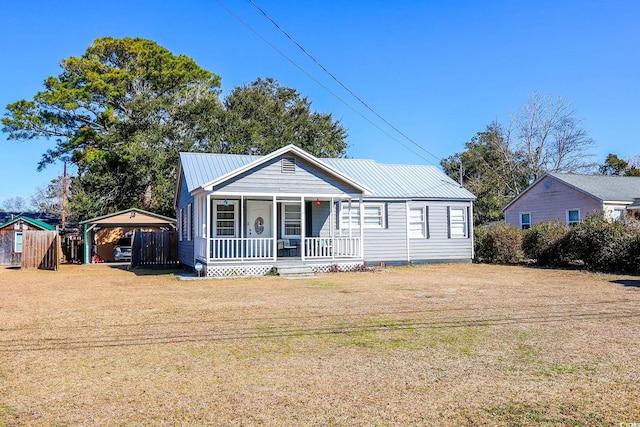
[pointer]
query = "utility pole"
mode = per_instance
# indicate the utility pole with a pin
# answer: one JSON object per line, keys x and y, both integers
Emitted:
{"x": 64, "y": 197}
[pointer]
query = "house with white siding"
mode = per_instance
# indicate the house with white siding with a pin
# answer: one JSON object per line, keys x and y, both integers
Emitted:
{"x": 249, "y": 215}
{"x": 569, "y": 198}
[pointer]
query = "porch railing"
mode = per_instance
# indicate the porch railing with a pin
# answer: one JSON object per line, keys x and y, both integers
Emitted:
{"x": 332, "y": 247}
{"x": 237, "y": 249}
{"x": 234, "y": 248}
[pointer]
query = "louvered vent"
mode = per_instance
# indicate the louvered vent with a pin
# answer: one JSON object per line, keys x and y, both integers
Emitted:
{"x": 288, "y": 165}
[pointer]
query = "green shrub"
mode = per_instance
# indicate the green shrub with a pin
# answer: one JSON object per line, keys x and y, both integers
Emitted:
{"x": 601, "y": 244}
{"x": 479, "y": 235}
{"x": 499, "y": 243}
{"x": 631, "y": 263}
{"x": 546, "y": 243}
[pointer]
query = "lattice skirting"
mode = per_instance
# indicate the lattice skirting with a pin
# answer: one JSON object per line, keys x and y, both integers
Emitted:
{"x": 262, "y": 269}
{"x": 333, "y": 268}
{"x": 238, "y": 271}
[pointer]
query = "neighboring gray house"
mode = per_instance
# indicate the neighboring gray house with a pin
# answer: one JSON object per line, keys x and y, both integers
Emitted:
{"x": 244, "y": 215}
{"x": 569, "y": 198}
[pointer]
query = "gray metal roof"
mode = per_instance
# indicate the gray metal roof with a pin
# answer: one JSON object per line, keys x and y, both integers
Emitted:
{"x": 201, "y": 168}
{"x": 605, "y": 188}
{"x": 385, "y": 180}
{"x": 401, "y": 181}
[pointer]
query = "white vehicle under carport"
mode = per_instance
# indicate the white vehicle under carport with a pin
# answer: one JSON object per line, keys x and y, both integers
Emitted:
{"x": 122, "y": 249}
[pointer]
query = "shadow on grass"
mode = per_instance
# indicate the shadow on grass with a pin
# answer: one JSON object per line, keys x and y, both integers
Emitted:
{"x": 147, "y": 271}
{"x": 628, "y": 283}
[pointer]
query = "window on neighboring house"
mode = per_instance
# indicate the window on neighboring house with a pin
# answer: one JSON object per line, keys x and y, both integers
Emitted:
{"x": 618, "y": 214}
{"x": 225, "y": 219}
{"x": 18, "y": 242}
{"x": 458, "y": 222}
{"x": 291, "y": 220}
{"x": 573, "y": 216}
{"x": 418, "y": 223}
{"x": 525, "y": 220}
{"x": 374, "y": 215}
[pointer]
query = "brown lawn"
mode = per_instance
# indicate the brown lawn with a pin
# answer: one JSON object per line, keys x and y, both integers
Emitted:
{"x": 433, "y": 345}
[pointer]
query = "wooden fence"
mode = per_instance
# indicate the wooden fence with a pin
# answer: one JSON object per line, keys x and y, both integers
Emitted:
{"x": 72, "y": 248}
{"x": 41, "y": 249}
{"x": 154, "y": 249}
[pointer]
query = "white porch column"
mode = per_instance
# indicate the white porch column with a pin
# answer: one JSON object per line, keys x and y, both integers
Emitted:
{"x": 242, "y": 215}
{"x": 332, "y": 229}
{"x": 207, "y": 229}
{"x": 303, "y": 228}
{"x": 361, "y": 227}
{"x": 339, "y": 217}
{"x": 274, "y": 227}
{"x": 350, "y": 213}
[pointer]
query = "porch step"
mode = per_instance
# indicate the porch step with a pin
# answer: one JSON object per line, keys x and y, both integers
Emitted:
{"x": 294, "y": 271}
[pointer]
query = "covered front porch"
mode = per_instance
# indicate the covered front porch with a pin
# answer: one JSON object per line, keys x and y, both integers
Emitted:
{"x": 256, "y": 232}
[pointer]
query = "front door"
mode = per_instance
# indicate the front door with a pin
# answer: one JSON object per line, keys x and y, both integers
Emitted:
{"x": 259, "y": 229}
{"x": 259, "y": 219}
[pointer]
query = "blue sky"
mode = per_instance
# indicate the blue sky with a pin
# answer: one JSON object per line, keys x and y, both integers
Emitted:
{"x": 440, "y": 71}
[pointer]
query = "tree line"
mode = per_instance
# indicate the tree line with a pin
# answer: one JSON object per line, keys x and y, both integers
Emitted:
{"x": 544, "y": 136}
{"x": 122, "y": 112}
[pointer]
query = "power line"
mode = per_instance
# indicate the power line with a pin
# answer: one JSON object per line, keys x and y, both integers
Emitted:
{"x": 338, "y": 81}
{"x": 322, "y": 85}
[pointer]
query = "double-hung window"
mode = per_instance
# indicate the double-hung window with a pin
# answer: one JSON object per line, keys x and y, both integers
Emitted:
{"x": 185, "y": 222}
{"x": 374, "y": 215}
{"x": 458, "y": 222}
{"x": 349, "y": 216}
{"x": 525, "y": 220}
{"x": 418, "y": 223}
{"x": 226, "y": 215}
{"x": 291, "y": 220}
{"x": 18, "y": 242}
{"x": 618, "y": 214}
{"x": 573, "y": 217}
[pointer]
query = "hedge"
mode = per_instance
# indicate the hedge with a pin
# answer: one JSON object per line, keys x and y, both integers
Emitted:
{"x": 597, "y": 243}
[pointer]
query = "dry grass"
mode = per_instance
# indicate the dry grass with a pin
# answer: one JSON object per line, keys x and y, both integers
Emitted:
{"x": 435, "y": 345}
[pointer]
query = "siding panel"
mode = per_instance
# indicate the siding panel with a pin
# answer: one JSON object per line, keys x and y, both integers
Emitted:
{"x": 390, "y": 243}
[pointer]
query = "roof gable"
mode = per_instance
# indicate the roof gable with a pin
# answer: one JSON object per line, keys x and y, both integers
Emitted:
{"x": 130, "y": 217}
{"x": 210, "y": 170}
{"x": 34, "y": 222}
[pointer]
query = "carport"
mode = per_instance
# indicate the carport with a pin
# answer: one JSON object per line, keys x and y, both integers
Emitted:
{"x": 126, "y": 221}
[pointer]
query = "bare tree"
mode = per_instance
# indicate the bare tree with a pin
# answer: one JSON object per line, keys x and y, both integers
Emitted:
{"x": 15, "y": 204}
{"x": 550, "y": 138}
{"x": 48, "y": 199}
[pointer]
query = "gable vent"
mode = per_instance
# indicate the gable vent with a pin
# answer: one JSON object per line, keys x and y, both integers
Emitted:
{"x": 288, "y": 165}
